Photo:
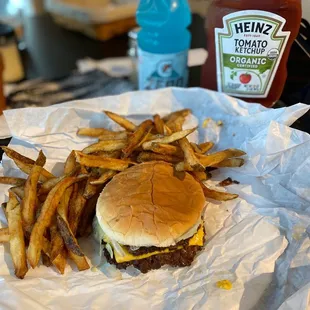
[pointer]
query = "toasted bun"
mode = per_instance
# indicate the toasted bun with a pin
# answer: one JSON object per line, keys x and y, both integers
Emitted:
{"x": 146, "y": 205}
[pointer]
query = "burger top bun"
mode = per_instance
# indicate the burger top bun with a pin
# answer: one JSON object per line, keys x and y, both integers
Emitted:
{"x": 146, "y": 205}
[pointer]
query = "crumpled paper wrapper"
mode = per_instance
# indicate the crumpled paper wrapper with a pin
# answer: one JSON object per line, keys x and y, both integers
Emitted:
{"x": 260, "y": 241}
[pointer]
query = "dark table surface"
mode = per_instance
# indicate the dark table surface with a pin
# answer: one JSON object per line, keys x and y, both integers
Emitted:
{"x": 52, "y": 52}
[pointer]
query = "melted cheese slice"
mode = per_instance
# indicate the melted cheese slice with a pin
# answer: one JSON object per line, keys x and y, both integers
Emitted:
{"x": 197, "y": 240}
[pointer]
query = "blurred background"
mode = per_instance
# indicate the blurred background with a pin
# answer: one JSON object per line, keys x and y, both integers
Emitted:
{"x": 59, "y": 50}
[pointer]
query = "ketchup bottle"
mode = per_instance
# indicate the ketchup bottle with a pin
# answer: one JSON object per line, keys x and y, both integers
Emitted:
{"x": 249, "y": 43}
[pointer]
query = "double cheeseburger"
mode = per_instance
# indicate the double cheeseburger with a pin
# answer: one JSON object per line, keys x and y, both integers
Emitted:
{"x": 146, "y": 218}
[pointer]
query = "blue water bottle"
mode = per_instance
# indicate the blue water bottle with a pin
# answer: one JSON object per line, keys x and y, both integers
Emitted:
{"x": 163, "y": 43}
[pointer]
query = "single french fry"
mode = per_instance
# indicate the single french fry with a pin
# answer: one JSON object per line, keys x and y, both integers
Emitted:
{"x": 167, "y": 149}
{"x": 106, "y": 176}
{"x": 30, "y": 201}
{"x": 12, "y": 181}
{"x": 200, "y": 175}
{"x": 149, "y": 156}
{"x": 76, "y": 209}
{"x": 47, "y": 186}
{"x": 212, "y": 160}
{"x": 68, "y": 236}
{"x": 106, "y": 146}
{"x": 58, "y": 250}
{"x": 195, "y": 148}
{"x": 215, "y": 158}
{"x": 216, "y": 195}
{"x": 159, "y": 124}
{"x": 44, "y": 221}
{"x": 175, "y": 124}
{"x": 63, "y": 207}
{"x": 113, "y": 154}
{"x": 80, "y": 261}
{"x": 17, "y": 241}
{"x": 97, "y": 161}
{"x": 46, "y": 246}
{"x": 70, "y": 164}
{"x": 168, "y": 139}
{"x": 121, "y": 135}
{"x": 4, "y": 235}
{"x": 25, "y": 164}
{"x": 62, "y": 212}
{"x": 15, "y": 155}
{"x": 46, "y": 260}
{"x": 230, "y": 163}
{"x": 18, "y": 191}
{"x": 88, "y": 215}
{"x": 172, "y": 116}
{"x": 167, "y": 130}
{"x": 90, "y": 189}
{"x": 93, "y": 132}
{"x": 3, "y": 207}
{"x": 123, "y": 122}
{"x": 136, "y": 138}
{"x": 205, "y": 147}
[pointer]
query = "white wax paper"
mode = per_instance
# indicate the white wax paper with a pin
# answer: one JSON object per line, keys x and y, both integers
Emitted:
{"x": 259, "y": 241}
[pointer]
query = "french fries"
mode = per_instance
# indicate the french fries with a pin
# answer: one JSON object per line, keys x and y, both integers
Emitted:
{"x": 136, "y": 138}
{"x": 123, "y": 122}
{"x": 189, "y": 154}
{"x": 25, "y": 164}
{"x": 29, "y": 203}
{"x": 48, "y": 210}
{"x": 52, "y": 212}
{"x": 17, "y": 241}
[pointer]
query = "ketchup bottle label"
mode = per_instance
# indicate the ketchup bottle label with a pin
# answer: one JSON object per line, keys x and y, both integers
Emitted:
{"x": 248, "y": 52}
{"x": 162, "y": 70}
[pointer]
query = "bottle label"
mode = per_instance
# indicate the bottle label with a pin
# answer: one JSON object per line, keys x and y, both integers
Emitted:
{"x": 162, "y": 70}
{"x": 248, "y": 52}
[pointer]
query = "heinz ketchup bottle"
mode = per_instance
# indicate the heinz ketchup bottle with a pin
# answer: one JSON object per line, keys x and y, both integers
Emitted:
{"x": 249, "y": 43}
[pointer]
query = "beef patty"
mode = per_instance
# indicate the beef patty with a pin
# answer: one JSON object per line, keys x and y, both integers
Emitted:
{"x": 177, "y": 258}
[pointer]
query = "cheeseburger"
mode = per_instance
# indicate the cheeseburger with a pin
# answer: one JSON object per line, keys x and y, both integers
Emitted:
{"x": 146, "y": 218}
